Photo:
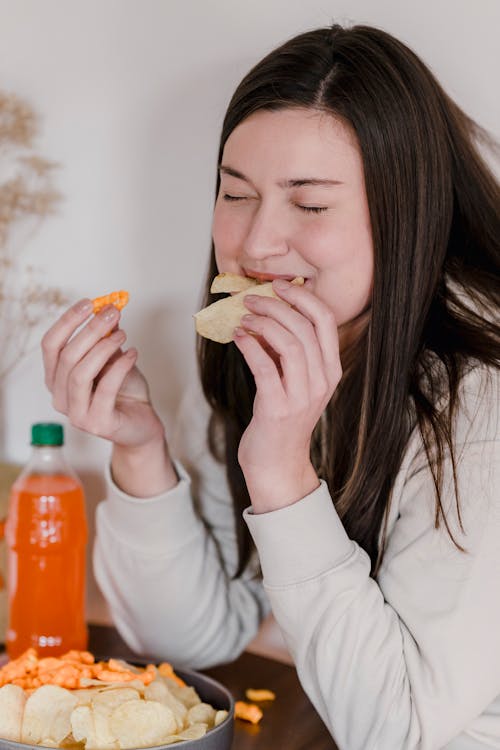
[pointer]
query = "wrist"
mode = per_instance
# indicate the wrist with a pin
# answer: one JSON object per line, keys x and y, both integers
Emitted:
{"x": 144, "y": 470}
{"x": 279, "y": 487}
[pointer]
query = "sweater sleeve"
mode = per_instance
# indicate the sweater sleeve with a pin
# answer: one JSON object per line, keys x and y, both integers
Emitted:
{"x": 410, "y": 660}
{"x": 165, "y": 563}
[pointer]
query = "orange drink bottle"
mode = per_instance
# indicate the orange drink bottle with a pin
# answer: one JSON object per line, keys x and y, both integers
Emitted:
{"x": 46, "y": 537}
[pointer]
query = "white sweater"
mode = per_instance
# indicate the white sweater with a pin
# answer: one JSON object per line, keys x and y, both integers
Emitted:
{"x": 409, "y": 661}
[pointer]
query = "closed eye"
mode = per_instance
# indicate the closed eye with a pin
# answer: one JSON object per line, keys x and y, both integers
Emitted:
{"x": 312, "y": 209}
{"x": 228, "y": 197}
{"x": 307, "y": 209}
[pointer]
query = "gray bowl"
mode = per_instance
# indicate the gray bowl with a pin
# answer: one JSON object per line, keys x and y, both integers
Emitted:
{"x": 210, "y": 691}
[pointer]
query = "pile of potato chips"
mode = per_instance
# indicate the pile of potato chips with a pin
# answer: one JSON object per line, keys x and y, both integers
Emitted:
{"x": 133, "y": 708}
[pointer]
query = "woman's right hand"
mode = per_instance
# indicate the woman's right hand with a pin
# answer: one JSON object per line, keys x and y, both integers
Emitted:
{"x": 94, "y": 382}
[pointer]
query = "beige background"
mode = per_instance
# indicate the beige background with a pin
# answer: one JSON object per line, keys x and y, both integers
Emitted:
{"x": 131, "y": 95}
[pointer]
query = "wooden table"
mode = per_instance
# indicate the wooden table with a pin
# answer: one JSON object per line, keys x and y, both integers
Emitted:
{"x": 291, "y": 723}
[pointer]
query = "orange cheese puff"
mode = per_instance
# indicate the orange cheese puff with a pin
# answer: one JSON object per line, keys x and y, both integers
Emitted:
{"x": 247, "y": 712}
{"x": 166, "y": 670}
{"x": 85, "y": 657}
{"x": 19, "y": 668}
{"x": 118, "y": 299}
{"x": 260, "y": 695}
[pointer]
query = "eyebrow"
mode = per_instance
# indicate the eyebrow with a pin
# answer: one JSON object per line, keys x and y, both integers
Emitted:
{"x": 283, "y": 183}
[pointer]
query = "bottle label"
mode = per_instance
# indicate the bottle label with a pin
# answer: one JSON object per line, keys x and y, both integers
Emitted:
{"x": 42, "y": 641}
{"x": 45, "y": 641}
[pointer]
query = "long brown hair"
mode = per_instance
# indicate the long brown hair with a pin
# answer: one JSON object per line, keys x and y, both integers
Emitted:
{"x": 435, "y": 220}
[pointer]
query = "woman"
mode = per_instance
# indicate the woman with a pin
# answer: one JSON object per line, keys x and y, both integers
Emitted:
{"x": 353, "y": 426}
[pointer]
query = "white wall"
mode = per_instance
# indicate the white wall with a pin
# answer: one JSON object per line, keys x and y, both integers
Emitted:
{"x": 131, "y": 95}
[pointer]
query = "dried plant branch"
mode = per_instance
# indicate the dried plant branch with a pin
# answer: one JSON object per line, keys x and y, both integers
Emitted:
{"x": 17, "y": 121}
{"x": 27, "y": 196}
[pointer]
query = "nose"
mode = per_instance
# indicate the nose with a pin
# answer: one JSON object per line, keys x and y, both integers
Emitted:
{"x": 267, "y": 233}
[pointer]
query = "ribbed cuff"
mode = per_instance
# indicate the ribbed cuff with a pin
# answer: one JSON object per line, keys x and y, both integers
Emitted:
{"x": 300, "y": 541}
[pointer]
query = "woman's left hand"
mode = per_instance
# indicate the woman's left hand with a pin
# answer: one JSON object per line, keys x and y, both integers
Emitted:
{"x": 293, "y": 355}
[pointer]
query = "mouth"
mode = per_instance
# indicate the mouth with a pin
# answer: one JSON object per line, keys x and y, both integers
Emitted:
{"x": 269, "y": 276}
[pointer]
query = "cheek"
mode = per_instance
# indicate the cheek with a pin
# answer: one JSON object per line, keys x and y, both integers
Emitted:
{"x": 325, "y": 244}
{"x": 227, "y": 232}
{"x": 217, "y": 225}
{"x": 343, "y": 263}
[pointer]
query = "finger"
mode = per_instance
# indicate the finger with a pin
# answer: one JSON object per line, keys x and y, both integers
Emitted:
{"x": 78, "y": 347}
{"x": 262, "y": 367}
{"x": 82, "y": 378}
{"x": 292, "y": 356}
{"x": 60, "y": 333}
{"x": 322, "y": 318}
{"x": 105, "y": 396}
{"x": 303, "y": 332}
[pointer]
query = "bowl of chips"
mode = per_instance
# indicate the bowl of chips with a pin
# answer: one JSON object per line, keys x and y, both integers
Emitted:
{"x": 110, "y": 705}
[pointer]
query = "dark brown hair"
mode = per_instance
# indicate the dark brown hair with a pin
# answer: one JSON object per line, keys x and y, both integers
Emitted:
{"x": 435, "y": 220}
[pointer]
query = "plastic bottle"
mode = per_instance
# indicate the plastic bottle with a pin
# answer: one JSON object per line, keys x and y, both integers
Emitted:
{"x": 46, "y": 536}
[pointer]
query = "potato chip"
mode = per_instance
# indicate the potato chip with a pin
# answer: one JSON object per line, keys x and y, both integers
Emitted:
{"x": 220, "y": 716}
{"x": 186, "y": 695}
{"x": 105, "y": 685}
{"x": 83, "y": 726}
{"x": 103, "y": 703}
{"x": 165, "y": 669}
{"x": 218, "y": 321}
{"x": 158, "y": 691}
{"x": 171, "y": 739}
{"x": 47, "y": 715}
{"x": 142, "y": 723}
{"x": 113, "y": 697}
{"x": 83, "y": 695}
{"x": 194, "y": 732}
{"x": 231, "y": 282}
{"x": 12, "y": 702}
{"x": 201, "y": 713}
{"x": 104, "y": 736}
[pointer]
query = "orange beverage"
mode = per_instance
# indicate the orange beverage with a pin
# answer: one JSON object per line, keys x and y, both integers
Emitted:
{"x": 46, "y": 535}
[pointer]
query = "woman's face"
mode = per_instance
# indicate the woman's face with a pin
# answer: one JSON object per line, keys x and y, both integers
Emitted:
{"x": 292, "y": 203}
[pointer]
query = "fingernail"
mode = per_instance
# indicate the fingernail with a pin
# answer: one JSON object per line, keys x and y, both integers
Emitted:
{"x": 109, "y": 313}
{"x": 84, "y": 306}
{"x": 239, "y": 333}
{"x": 248, "y": 318}
{"x": 117, "y": 336}
{"x": 281, "y": 284}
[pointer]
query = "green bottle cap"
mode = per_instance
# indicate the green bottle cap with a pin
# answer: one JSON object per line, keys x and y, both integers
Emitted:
{"x": 47, "y": 433}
